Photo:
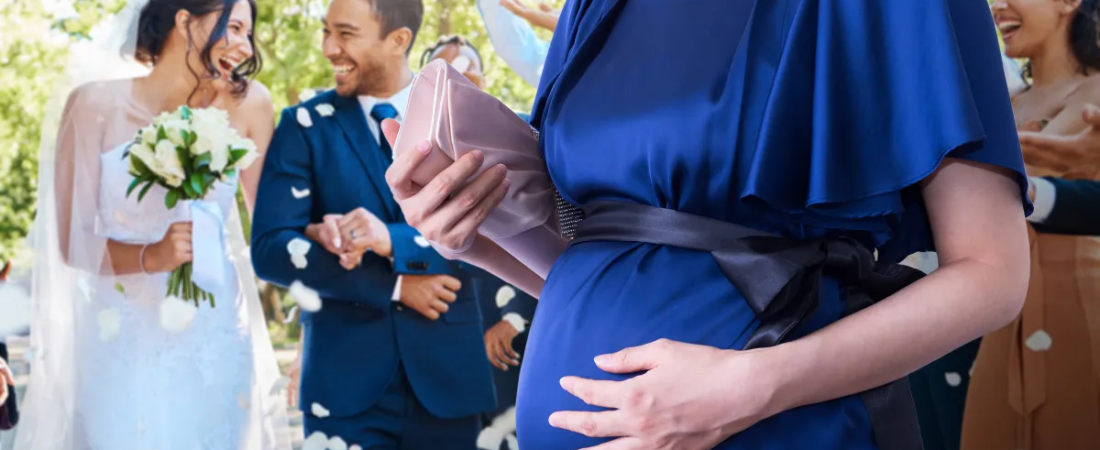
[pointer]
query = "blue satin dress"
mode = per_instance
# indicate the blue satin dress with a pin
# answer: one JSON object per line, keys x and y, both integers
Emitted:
{"x": 806, "y": 118}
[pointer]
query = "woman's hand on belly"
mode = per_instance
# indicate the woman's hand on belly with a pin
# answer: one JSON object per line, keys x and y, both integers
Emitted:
{"x": 690, "y": 396}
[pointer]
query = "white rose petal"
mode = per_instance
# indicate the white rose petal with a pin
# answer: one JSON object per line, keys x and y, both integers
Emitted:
{"x": 149, "y": 135}
{"x": 298, "y": 246}
{"x": 335, "y": 443}
{"x": 325, "y": 109}
{"x": 176, "y": 315}
{"x": 307, "y": 298}
{"x": 315, "y": 441}
{"x": 303, "y": 118}
{"x": 953, "y": 379}
{"x": 512, "y": 441}
{"x": 280, "y": 385}
{"x": 504, "y": 295}
{"x": 420, "y": 241}
{"x": 109, "y": 323}
{"x": 168, "y": 164}
{"x": 299, "y": 194}
{"x": 357, "y": 447}
{"x": 306, "y": 94}
{"x": 290, "y": 315}
{"x": 1039, "y": 341}
{"x": 300, "y": 262}
{"x": 318, "y": 410}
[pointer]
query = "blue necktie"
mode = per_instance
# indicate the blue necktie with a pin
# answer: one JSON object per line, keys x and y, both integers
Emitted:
{"x": 380, "y": 112}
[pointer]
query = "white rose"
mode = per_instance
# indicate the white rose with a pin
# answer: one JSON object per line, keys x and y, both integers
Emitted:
{"x": 149, "y": 135}
{"x": 212, "y": 116}
{"x": 168, "y": 164}
{"x": 173, "y": 127}
{"x": 249, "y": 157}
{"x": 219, "y": 157}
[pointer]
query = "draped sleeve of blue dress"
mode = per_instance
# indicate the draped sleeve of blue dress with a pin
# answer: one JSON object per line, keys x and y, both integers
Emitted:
{"x": 806, "y": 119}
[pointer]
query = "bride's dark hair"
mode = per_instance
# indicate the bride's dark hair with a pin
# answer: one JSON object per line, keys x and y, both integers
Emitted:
{"x": 158, "y": 20}
{"x": 1084, "y": 33}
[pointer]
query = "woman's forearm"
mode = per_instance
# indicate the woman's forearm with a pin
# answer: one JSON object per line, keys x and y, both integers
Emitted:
{"x": 126, "y": 259}
{"x": 885, "y": 342}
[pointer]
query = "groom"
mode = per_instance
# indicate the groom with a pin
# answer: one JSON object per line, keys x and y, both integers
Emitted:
{"x": 394, "y": 358}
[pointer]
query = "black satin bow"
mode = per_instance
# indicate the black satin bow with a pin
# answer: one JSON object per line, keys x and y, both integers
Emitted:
{"x": 780, "y": 279}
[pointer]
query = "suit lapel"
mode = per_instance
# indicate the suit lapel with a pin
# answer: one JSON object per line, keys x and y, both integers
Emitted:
{"x": 353, "y": 121}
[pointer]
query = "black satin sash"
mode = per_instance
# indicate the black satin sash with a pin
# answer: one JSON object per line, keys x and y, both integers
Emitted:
{"x": 780, "y": 278}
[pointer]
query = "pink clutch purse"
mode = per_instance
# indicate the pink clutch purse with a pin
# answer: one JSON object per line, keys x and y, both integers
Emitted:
{"x": 457, "y": 117}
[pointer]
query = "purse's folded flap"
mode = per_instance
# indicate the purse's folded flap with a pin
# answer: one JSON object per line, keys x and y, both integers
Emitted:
{"x": 457, "y": 117}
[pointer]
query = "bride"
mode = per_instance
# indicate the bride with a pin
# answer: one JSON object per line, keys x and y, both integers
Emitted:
{"x": 113, "y": 368}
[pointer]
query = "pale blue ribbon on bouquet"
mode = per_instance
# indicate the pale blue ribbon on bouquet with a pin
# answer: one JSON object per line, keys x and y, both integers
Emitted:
{"x": 208, "y": 246}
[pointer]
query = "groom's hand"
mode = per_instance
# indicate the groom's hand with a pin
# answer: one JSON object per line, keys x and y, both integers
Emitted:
{"x": 362, "y": 231}
{"x": 327, "y": 233}
{"x": 429, "y": 295}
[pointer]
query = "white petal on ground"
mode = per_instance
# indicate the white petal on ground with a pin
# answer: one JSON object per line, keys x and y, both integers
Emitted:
{"x": 290, "y": 315}
{"x": 325, "y": 109}
{"x": 308, "y": 299}
{"x": 176, "y": 315}
{"x": 243, "y": 402}
{"x": 303, "y": 118}
{"x": 1039, "y": 341}
{"x": 315, "y": 441}
{"x": 335, "y": 443}
{"x": 953, "y": 378}
{"x": 109, "y": 323}
{"x": 504, "y": 295}
{"x": 279, "y": 385}
{"x": 420, "y": 241}
{"x": 318, "y": 410}
{"x": 299, "y": 194}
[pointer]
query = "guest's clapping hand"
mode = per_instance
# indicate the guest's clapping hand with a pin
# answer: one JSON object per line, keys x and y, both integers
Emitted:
{"x": 498, "y": 345}
{"x": 6, "y": 380}
{"x": 545, "y": 17}
{"x": 1064, "y": 152}
{"x": 691, "y": 397}
{"x": 448, "y": 211}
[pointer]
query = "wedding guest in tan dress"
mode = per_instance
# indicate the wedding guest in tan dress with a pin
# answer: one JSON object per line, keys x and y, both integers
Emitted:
{"x": 1035, "y": 382}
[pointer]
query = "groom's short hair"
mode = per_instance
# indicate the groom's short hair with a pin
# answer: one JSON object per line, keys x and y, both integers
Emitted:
{"x": 397, "y": 14}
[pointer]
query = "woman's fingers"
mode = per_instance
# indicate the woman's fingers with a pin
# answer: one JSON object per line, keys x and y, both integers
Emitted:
{"x": 468, "y": 225}
{"x": 399, "y": 175}
{"x": 390, "y": 128}
{"x": 441, "y": 188}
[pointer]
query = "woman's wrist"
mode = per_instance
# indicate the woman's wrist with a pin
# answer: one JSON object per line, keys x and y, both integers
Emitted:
{"x": 787, "y": 366}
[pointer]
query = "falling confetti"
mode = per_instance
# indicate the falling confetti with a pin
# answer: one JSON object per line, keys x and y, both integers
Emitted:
{"x": 299, "y": 194}
{"x": 315, "y": 441}
{"x": 109, "y": 323}
{"x": 279, "y": 385}
{"x": 335, "y": 443}
{"x": 306, "y": 94}
{"x": 423, "y": 243}
{"x": 318, "y": 410}
{"x": 298, "y": 248}
{"x": 505, "y": 295}
{"x": 303, "y": 118}
{"x": 290, "y": 315}
{"x": 325, "y": 109}
{"x": 176, "y": 315}
{"x": 307, "y": 298}
{"x": 512, "y": 441}
{"x": 953, "y": 378}
{"x": 1039, "y": 341}
{"x": 357, "y": 447}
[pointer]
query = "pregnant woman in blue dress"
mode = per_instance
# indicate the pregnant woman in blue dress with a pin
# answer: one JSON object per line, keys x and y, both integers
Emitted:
{"x": 856, "y": 123}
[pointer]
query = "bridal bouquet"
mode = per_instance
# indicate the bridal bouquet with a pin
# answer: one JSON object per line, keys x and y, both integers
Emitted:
{"x": 185, "y": 152}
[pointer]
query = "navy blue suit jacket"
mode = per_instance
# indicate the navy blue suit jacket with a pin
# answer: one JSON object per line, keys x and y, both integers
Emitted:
{"x": 1076, "y": 208}
{"x": 358, "y": 340}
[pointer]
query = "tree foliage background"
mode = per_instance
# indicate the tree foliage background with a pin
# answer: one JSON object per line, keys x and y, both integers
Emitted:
{"x": 35, "y": 37}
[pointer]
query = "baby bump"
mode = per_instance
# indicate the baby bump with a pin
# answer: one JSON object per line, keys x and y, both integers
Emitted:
{"x": 603, "y": 297}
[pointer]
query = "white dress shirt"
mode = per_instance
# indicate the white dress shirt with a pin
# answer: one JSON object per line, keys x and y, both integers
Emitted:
{"x": 514, "y": 40}
{"x": 399, "y": 101}
{"x": 1045, "y": 194}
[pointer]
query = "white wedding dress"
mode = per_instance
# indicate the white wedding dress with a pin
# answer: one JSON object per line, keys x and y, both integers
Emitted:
{"x": 109, "y": 372}
{"x": 141, "y": 386}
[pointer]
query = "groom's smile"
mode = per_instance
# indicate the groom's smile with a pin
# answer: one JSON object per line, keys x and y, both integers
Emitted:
{"x": 368, "y": 57}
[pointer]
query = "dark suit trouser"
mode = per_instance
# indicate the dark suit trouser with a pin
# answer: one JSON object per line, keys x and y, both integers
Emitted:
{"x": 398, "y": 422}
